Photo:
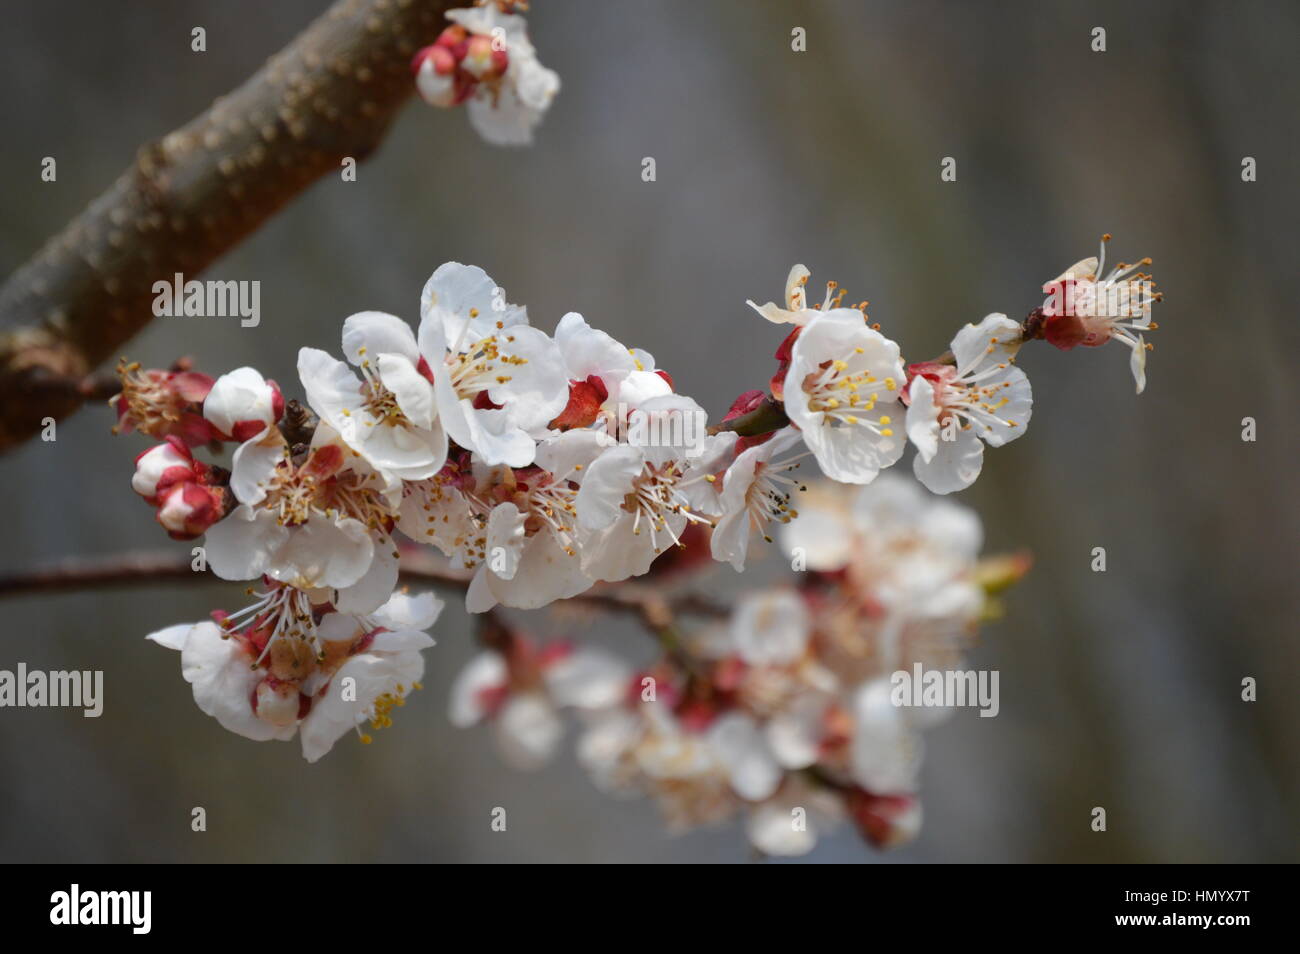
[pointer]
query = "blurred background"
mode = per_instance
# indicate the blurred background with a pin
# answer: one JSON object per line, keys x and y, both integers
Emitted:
{"x": 1119, "y": 689}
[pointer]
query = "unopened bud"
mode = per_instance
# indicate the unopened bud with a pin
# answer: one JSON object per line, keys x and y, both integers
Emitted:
{"x": 162, "y": 466}
{"x": 187, "y": 509}
{"x": 242, "y": 404}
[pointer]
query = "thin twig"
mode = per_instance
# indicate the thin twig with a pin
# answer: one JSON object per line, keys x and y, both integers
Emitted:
{"x": 153, "y": 567}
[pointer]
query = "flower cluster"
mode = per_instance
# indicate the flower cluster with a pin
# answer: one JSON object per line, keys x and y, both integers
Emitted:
{"x": 782, "y": 711}
{"x": 284, "y": 666}
{"x": 486, "y": 61}
{"x": 541, "y": 465}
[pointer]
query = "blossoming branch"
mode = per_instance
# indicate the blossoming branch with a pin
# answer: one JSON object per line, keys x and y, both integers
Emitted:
{"x": 543, "y": 464}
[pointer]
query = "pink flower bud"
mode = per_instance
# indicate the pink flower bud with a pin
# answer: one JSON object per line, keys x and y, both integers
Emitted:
{"x": 164, "y": 465}
{"x": 186, "y": 510}
{"x": 242, "y": 404}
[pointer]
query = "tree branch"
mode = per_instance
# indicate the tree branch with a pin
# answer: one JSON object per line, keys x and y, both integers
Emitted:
{"x": 194, "y": 194}
{"x": 154, "y": 567}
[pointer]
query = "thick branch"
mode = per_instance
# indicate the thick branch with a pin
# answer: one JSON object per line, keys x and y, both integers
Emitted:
{"x": 198, "y": 191}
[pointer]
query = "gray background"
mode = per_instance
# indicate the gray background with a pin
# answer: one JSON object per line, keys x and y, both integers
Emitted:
{"x": 1118, "y": 689}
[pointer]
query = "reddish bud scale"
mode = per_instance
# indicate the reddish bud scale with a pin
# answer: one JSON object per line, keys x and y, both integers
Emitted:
{"x": 784, "y": 355}
{"x": 585, "y": 400}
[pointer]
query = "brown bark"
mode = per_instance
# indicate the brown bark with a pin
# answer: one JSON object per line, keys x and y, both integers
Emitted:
{"x": 196, "y": 192}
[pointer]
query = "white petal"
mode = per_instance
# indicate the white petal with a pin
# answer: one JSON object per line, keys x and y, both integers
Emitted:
{"x": 324, "y": 553}
{"x": 955, "y": 464}
{"x": 923, "y": 418}
{"x": 546, "y": 573}
{"x": 332, "y": 715}
{"x": 173, "y": 637}
{"x": 589, "y": 351}
{"x": 608, "y": 480}
{"x": 375, "y": 586}
{"x": 995, "y": 338}
{"x": 406, "y": 611}
{"x": 459, "y": 305}
{"x": 219, "y": 670}
{"x": 368, "y": 334}
{"x": 413, "y": 392}
{"x": 505, "y": 539}
{"x": 244, "y": 544}
{"x": 254, "y": 464}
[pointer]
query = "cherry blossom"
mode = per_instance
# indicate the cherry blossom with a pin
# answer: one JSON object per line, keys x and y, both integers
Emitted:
{"x": 319, "y": 522}
{"x": 954, "y": 410}
{"x": 388, "y": 416}
{"x": 283, "y": 666}
{"x": 756, "y": 490}
{"x": 486, "y": 60}
{"x": 1087, "y": 310}
{"x": 842, "y": 391}
{"x": 497, "y": 381}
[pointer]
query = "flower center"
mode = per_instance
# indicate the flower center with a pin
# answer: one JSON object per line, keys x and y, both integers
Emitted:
{"x": 843, "y": 394}
{"x": 655, "y": 496}
{"x": 481, "y": 367}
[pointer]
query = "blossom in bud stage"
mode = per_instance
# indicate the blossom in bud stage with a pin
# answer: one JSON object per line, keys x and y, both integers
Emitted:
{"x": 162, "y": 403}
{"x": 320, "y": 520}
{"x": 164, "y": 465}
{"x": 241, "y": 404}
{"x": 842, "y": 391}
{"x": 1089, "y": 310}
{"x": 984, "y": 398}
{"x": 284, "y": 666}
{"x": 186, "y": 510}
{"x": 389, "y": 416}
{"x": 497, "y": 382}
{"x": 486, "y": 60}
{"x": 756, "y": 490}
